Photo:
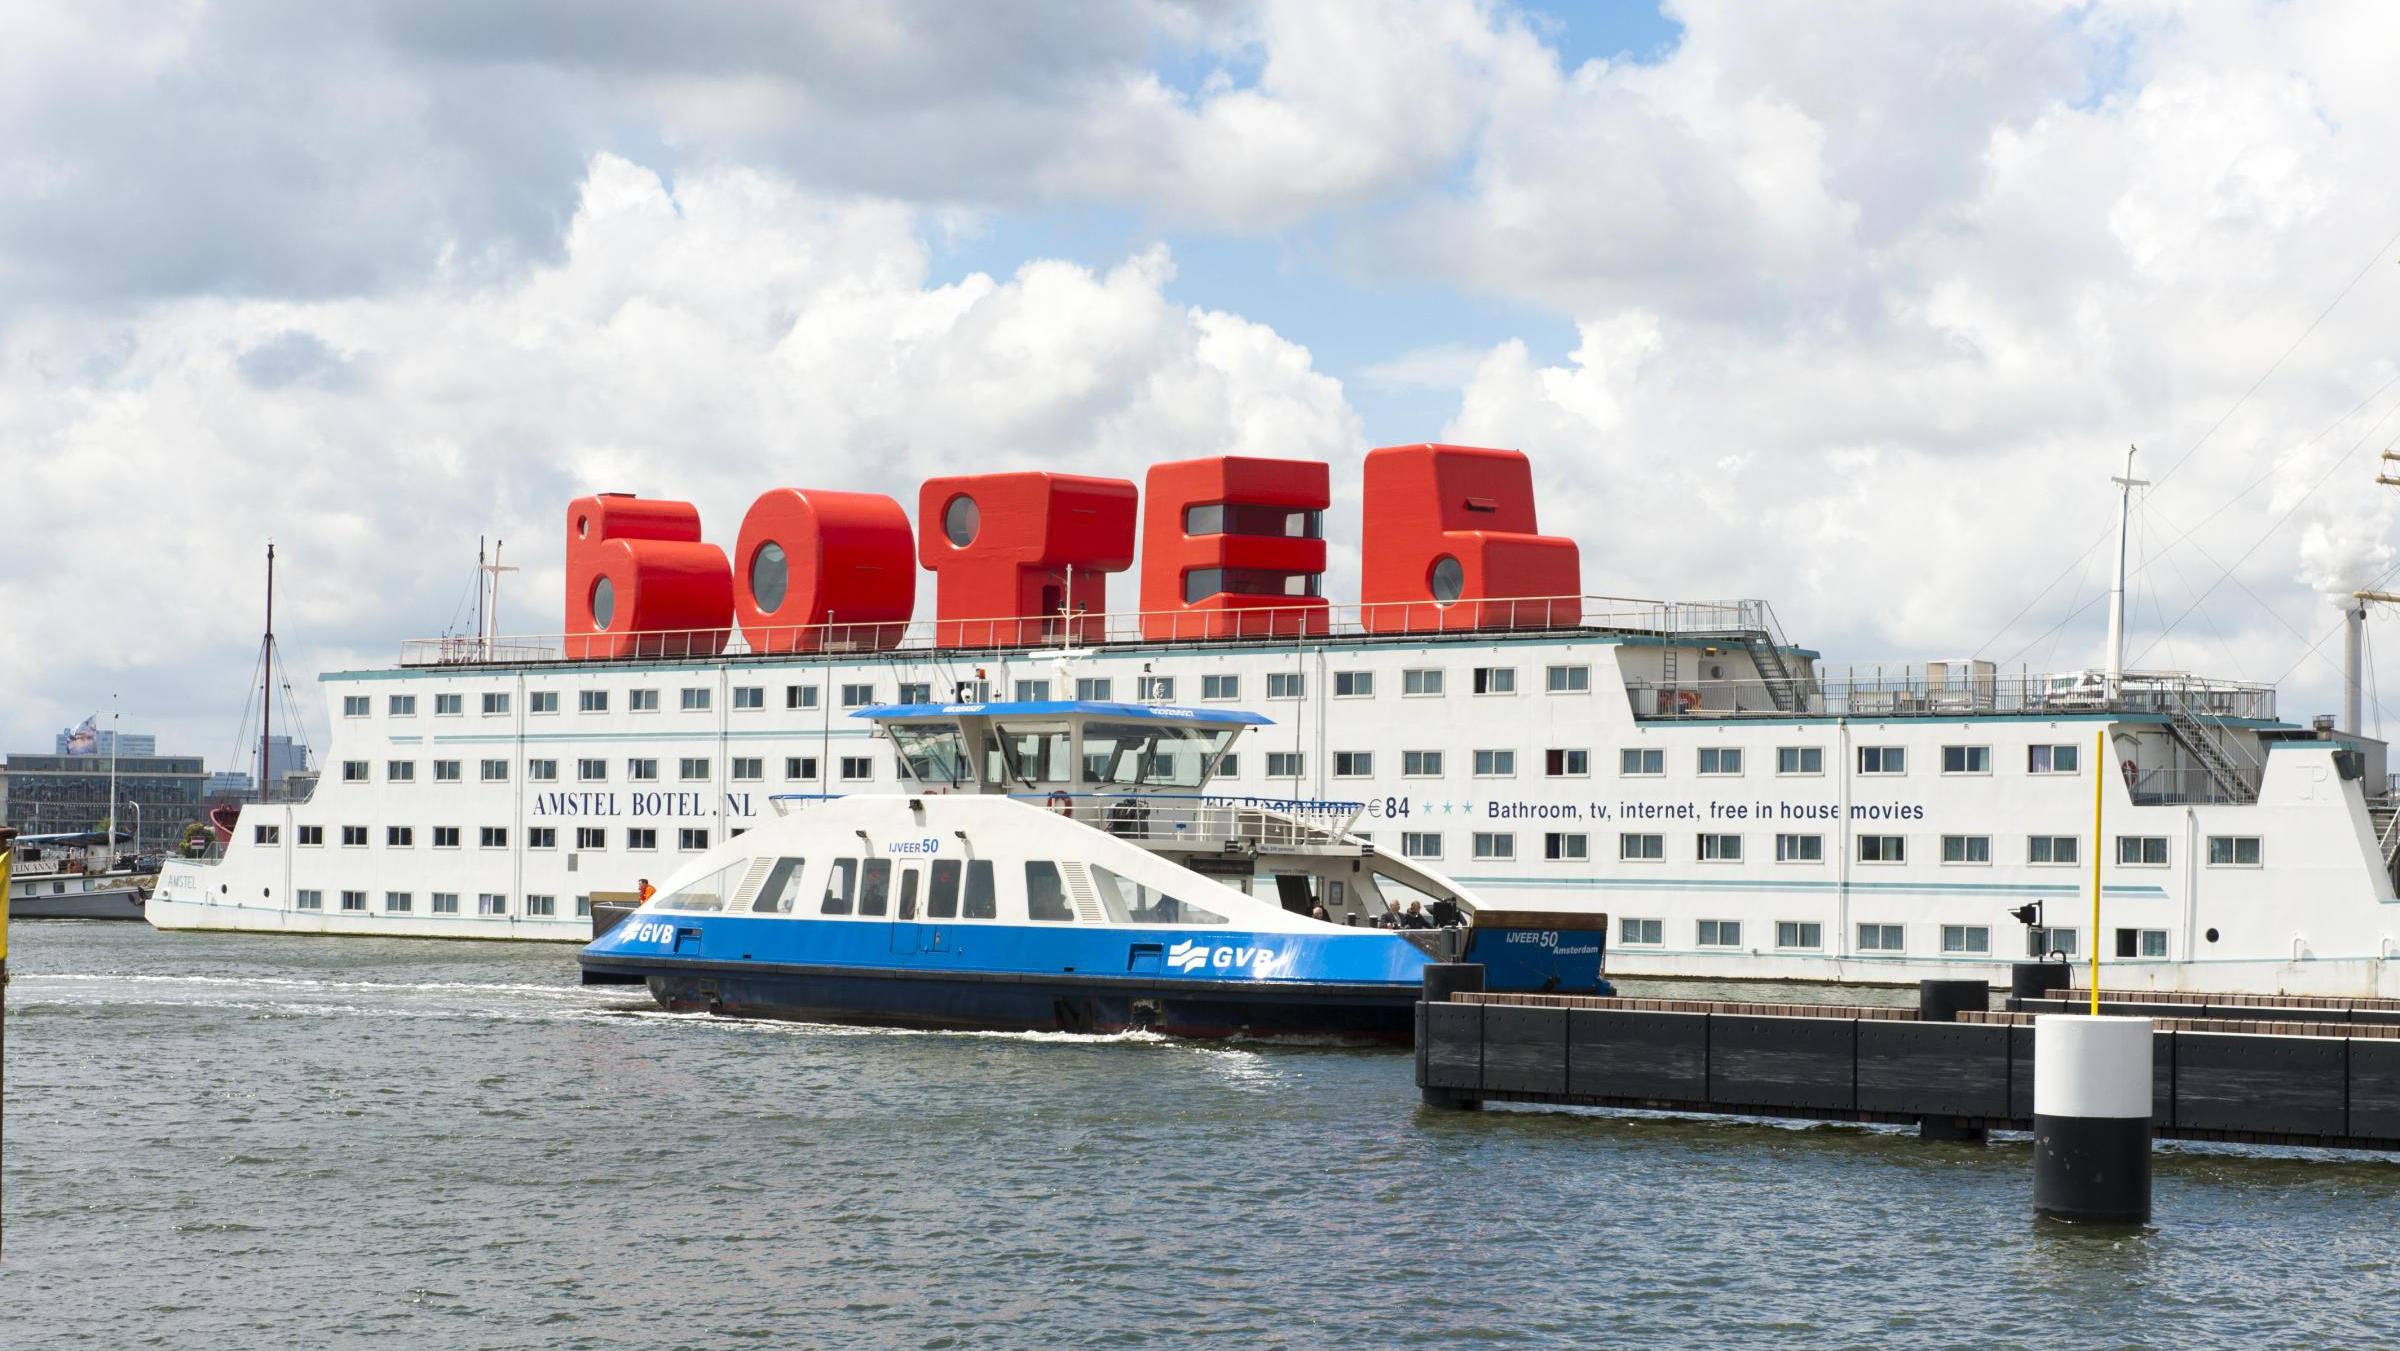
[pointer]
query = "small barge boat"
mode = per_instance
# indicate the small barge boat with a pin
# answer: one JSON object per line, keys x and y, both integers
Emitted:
{"x": 1060, "y": 865}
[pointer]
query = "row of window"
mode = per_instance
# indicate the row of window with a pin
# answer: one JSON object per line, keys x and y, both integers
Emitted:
{"x": 688, "y": 839}
{"x": 439, "y": 903}
{"x": 1959, "y": 940}
{"x": 1717, "y": 761}
{"x": 2150, "y": 851}
{"x": 638, "y": 769}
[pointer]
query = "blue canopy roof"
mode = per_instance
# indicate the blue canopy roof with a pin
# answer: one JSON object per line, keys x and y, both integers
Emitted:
{"x": 1160, "y": 713}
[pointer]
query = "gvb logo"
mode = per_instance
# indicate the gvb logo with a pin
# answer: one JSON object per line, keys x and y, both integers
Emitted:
{"x": 1188, "y": 956}
{"x": 646, "y": 932}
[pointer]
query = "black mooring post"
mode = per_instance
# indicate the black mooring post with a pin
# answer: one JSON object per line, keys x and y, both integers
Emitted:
{"x": 1442, "y": 980}
{"x": 2035, "y": 980}
{"x": 2092, "y": 1110}
{"x": 1941, "y": 1001}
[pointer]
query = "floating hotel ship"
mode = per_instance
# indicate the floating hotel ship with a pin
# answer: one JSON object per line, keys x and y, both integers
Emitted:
{"x": 1733, "y": 807}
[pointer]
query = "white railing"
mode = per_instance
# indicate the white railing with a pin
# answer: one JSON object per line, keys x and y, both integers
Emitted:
{"x": 1251, "y": 624}
{"x": 1905, "y": 691}
{"x": 1203, "y": 821}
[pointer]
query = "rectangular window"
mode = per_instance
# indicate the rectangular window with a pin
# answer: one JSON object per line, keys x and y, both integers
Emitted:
{"x": 643, "y": 838}
{"x": 1045, "y": 898}
{"x": 1228, "y": 765}
{"x": 1353, "y": 764}
{"x": 641, "y": 769}
{"x": 541, "y": 905}
{"x": 583, "y": 907}
{"x": 1495, "y": 680}
{"x": 1286, "y": 685}
{"x": 1883, "y": 849}
{"x": 274, "y": 835}
{"x": 1570, "y": 679}
{"x": 1220, "y": 687}
{"x": 1883, "y": 759}
{"x": 356, "y": 705}
{"x": 857, "y": 768}
{"x": 1720, "y": 760}
{"x": 445, "y": 903}
{"x": 1644, "y": 931}
{"x": 1966, "y": 849}
{"x": 495, "y": 771}
{"x": 1353, "y": 684}
{"x": 1420, "y": 764}
{"x": 1879, "y": 938}
{"x": 1966, "y": 759}
{"x": 541, "y": 837}
{"x": 354, "y": 771}
{"x": 748, "y": 769}
{"x": 2142, "y": 851}
{"x": 1641, "y": 764}
{"x": 1561, "y": 847}
{"x": 696, "y": 698}
{"x": 495, "y": 837}
{"x": 2059, "y": 942}
{"x": 1641, "y": 847}
{"x": 1799, "y": 759}
{"x": 1495, "y": 845}
{"x": 312, "y": 835}
{"x": 591, "y": 837}
{"x": 915, "y": 692}
{"x": 1425, "y": 681}
{"x": 797, "y": 767}
{"x": 445, "y": 837}
{"x": 693, "y": 769}
{"x": 491, "y": 903}
{"x": 1720, "y": 933}
{"x": 400, "y": 837}
{"x": 2050, "y": 759}
{"x": 1966, "y": 940}
{"x": 1156, "y": 689}
{"x": 400, "y": 771}
{"x": 449, "y": 705}
{"x": 2141, "y": 942}
{"x": 1716, "y": 848}
{"x": 446, "y": 771}
{"x": 1799, "y": 849}
{"x": 1567, "y": 764}
{"x": 308, "y": 900}
{"x": 1420, "y": 844}
{"x": 354, "y": 837}
{"x": 401, "y": 705}
{"x": 799, "y": 696}
{"x": 2233, "y": 851}
{"x": 1095, "y": 689}
{"x": 541, "y": 701}
{"x": 397, "y": 902}
{"x": 642, "y": 701}
{"x": 1805, "y": 934}
{"x": 691, "y": 840}
{"x": 592, "y": 701}
{"x": 494, "y": 704}
{"x": 2052, "y": 849}
{"x": 1285, "y": 765}
{"x": 1495, "y": 764}
{"x": 746, "y": 697}
{"x": 354, "y": 900}
{"x": 591, "y": 771}
{"x": 1033, "y": 691}
{"x": 541, "y": 771}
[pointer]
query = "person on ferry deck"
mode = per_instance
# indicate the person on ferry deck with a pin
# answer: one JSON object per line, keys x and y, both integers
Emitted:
{"x": 1415, "y": 918}
{"x": 1390, "y": 918}
{"x": 1318, "y": 912}
{"x": 645, "y": 890}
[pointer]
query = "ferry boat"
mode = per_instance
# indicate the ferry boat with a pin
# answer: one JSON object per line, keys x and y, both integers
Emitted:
{"x": 76, "y": 875}
{"x": 1736, "y": 805}
{"x": 1062, "y": 866}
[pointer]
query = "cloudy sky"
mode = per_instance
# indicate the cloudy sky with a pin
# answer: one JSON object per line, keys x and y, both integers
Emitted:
{"x": 1851, "y": 305}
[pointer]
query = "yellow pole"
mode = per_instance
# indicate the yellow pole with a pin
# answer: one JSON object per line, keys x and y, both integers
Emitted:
{"x": 2100, "y": 768}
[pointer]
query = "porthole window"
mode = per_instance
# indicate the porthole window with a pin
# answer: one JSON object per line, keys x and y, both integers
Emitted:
{"x": 768, "y": 576}
{"x": 2212, "y": 935}
{"x": 960, "y": 520}
{"x": 604, "y": 603}
{"x": 1449, "y": 579}
{"x": 583, "y": 527}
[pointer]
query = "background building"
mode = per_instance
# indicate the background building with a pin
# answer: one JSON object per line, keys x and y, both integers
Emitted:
{"x": 102, "y": 741}
{"x": 56, "y": 793}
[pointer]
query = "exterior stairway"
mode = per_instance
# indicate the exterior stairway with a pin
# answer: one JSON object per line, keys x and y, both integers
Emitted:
{"x": 1767, "y": 656}
{"x": 2383, "y": 813}
{"x": 2197, "y": 742}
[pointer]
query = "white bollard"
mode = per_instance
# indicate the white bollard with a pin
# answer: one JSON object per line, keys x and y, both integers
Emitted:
{"x": 2091, "y": 1118}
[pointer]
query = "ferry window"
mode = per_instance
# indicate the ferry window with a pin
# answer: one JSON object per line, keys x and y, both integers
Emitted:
{"x": 857, "y": 696}
{"x": 2050, "y": 759}
{"x": 841, "y": 882}
{"x": 1495, "y": 680}
{"x": 749, "y": 696}
{"x": 1720, "y": 933}
{"x": 354, "y": 771}
{"x": 1045, "y": 894}
{"x": 1800, "y": 759}
{"x": 1720, "y": 760}
{"x": 2233, "y": 851}
{"x": 941, "y": 897}
{"x": 355, "y": 705}
{"x": 1570, "y": 679}
{"x": 401, "y": 706}
{"x": 1286, "y": 685}
{"x": 748, "y": 769}
{"x": 1641, "y": 931}
{"x": 491, "y": 903}
{"x": 591, "y": 837}
{"x": 354, "y": 900}
{"x": 641, "y": 837}
{"x": 1285, "y": 765}
{"x": 1495, "y": 845}
{"x": 2141, "y": 942}
{"x": 1220, "y": 687}
{"x": 445, "y": 837}
{"x": 1228, "y": 766}
{"x": 1716, "y": 848}
{"x": 1421, "y": 682}
{"x": 1974, "y": 940}
{"x": 799, "y": 767}
{"x": 1802, "y": 933}
{"x": 642, "y": 701}
{"x": 857, "y": 767}
{"x": 691, "y": 840}
{"x": 1642, "y": 764}
{"x": 449, "y": 704}
{"x": 583, "y": 907}
{"x": 592, "y": 701}
{"x": 696, "y": 699}
{"x": 1561, "y": 847}
{"x": 982, "y": 897}
{"x": 2142, "y": 851}
{"x": 2051, "y": 849}
{"x": 540, "y": 837}
{"x": 445, "y": 902}
{"x": 1252, "y": 518}
{"x": 1879, "y": 938}
{"x": 1155, "y": 755}
{"x": 781, "y": 890}
{"x": 1033, "y": 691}
{"x": 1495, "y": 764}
{"x": 1156, "y": 688}
{"x": 396, "y": 901}
{"x": 400, "y": 837}
{"x": 915, "y": 692}
{"x": 495, "y": 837}
{"x": 1126, "y": 901}
{"x": 875, "y": 887}
{"x": 591, "y": 771}
{"x": 1883, "y": 849}
{"x": 1095, "y": 689}
{"x": 1634, "y": 846}
{"x": 1353, "y": 684}
{"x": 495, "y": 771}
{"x": 1567, "y": 764}
{"x": 641, "y": 769}
{"x": 400, "y": 771}
{"x": 274, "y": 835}
{"x": 1201, "y": 583}
{"x": 2064, "y": 942}
{"x": 541, "y": 905}
{"x": 495, "y": 704}
{"x": 1966, "y": 759}
{"x": 445, "y": 771}
{"x": 1353, "y": 764}
{"x": 693, "y": 768}
{"x": 308, "y": 900}
{"x": 799, "y": 696}
{"x": 1421, "y": 764}
{"x": 542, "y": 701}
{"x": 1883, "y": 759}
{"x": 353, "y": 837}
{"x": 933, "y": 753}
{"x": 541, "y": 771}
{"x": 1799, "y": 849}
{"x": 312, "y": 835}
{"x": 1420, "y": 844}
{"x": 1966, "y": 849}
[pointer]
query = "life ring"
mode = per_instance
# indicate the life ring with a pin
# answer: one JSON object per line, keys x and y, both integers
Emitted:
{"x": 2131, "y": 773}
{"x": 1061, "y": 803}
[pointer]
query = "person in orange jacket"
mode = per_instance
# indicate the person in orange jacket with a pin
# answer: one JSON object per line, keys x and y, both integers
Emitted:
{"x": 646, "y": 890}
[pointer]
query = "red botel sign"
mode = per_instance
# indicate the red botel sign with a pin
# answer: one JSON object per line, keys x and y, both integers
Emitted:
{"x": 1233, "y": 547}
{"x": 1449, "y": 542}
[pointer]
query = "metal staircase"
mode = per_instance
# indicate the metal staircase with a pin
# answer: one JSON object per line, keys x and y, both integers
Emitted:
{"x": 1767, "y": 655}
{"x": 2383, "y": 814}
{"x": 2201, "y": 744}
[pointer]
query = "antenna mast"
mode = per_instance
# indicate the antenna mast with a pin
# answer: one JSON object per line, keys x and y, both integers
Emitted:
{"x": 488, "y": 627}
{"x": 266, "y": 680}
{"x": 2126, "y": 483}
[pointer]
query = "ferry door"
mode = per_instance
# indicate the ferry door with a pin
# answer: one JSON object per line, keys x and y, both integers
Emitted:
{"x": 904, "y": 918}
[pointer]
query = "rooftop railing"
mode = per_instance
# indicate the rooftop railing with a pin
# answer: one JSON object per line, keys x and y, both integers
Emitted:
{"x": 1918, "y": 692}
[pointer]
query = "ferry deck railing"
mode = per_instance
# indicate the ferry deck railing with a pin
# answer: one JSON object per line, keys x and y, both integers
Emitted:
{"x": 1909, "y": 691}
{"x": 1207, "y": 822}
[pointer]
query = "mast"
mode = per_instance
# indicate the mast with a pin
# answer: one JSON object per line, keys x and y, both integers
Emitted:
{"x": 112, "y": 778}
{"x": 266, "y": 679}
{"x": 2126, "y": 483}
{"x": 481, "y": 576}
{"x": 488, "y": 626}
